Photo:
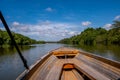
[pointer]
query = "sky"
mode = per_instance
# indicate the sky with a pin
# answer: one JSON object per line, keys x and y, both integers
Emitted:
{"x": 53, "y": 20}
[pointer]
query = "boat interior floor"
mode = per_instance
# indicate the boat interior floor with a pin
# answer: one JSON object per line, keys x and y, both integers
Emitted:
{"x": 72, "y": 65}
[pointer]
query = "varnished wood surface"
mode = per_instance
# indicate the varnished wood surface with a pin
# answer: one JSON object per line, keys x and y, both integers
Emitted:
{"x": 105, "y": 69}
{"x": 54, "y": 73}
{"x": 43, "y": 70}
{"x": 63, "y": 51}
{"x": 95, "y": 69}
{"x": 69, "y": 75}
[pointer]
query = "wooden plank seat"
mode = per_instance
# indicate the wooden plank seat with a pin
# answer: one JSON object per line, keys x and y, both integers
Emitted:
{"x": 89, "y": 71}
{"x": 71, "y": 75}
{"x": 55, "y": 72}
{"x": 63, "y": 51}
{"x": 70, "y": 64}
{"x": 79, "y": 77}
{"x": 105, "y": 69}
{"x": 43, "y": 70}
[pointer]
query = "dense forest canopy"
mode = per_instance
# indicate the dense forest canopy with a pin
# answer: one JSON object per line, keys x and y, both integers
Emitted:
{"x": 92, "y": 36}
{"x": 20, "y": 39}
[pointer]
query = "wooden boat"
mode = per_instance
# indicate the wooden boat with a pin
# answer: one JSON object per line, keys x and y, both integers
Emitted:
{"x": 71, "y": 64}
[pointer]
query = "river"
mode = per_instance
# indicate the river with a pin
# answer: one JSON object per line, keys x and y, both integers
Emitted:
{"x": 11, "y": 65}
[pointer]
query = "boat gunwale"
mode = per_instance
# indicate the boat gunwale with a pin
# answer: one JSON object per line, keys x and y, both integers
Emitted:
{"x": 35, "y": 65}
{"x": 100, "y": 58}
{"x": 27, "y": 74}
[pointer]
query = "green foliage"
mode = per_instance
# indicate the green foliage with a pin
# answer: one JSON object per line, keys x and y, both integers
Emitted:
{"x": 116, "y": 24}
{"x": 20, "y": 39}
{"x": 114, "y": 36}
{"x": 40, "y": 42}
{"x": 91, "y": 36}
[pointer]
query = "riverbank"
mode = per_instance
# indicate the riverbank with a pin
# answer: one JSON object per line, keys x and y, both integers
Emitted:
{"x": 93, "y": 36}
{"x": 20, "y": 39}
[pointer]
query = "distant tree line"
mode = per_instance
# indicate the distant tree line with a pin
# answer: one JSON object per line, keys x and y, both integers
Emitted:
{"x": 92, "y": 36}
{"x": 20, "y": 39}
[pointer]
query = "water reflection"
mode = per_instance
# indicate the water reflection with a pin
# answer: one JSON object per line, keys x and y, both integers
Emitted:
{"x": 111, "y": 51}
{"x": 11, "y": 50}
{"x": 11, "y": 64}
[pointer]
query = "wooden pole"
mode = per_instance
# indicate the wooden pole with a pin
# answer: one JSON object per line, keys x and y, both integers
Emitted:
{"x": 13, "y": 40}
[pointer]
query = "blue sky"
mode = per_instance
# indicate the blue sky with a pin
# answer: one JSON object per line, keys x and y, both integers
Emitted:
{"x": 53, "y": 20}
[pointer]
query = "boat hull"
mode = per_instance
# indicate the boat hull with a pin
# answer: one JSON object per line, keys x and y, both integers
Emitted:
{"x": 71, "y": 64}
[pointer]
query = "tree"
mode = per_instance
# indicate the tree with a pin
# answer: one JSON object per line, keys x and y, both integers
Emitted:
{"x": 116, "y": 24}
{"x": 92, "y": 36}
{"x": 20, "y": 39}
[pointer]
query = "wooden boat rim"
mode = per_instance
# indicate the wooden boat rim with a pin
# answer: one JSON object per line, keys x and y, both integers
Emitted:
{"x": 98, "y": 57}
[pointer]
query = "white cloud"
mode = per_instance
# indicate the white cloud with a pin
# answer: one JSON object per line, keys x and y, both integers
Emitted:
{"x": 46, "y": 30}
{"x": 15, "y": 23}
{"x": 72, "y": 33}
{"x": 107, "y": 26}
{"x": 49, "y": 9}
{"x": 86, "y": 23}
{"x": 117, "y": 17}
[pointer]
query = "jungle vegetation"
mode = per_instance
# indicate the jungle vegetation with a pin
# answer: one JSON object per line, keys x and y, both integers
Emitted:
{"x": 92, "y": 36}
{"x": 20, "y": 39}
